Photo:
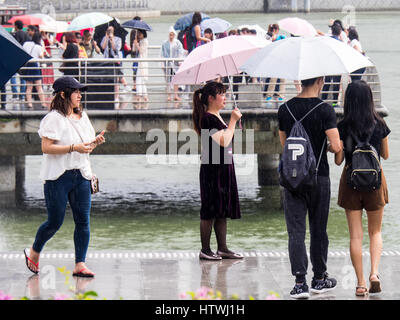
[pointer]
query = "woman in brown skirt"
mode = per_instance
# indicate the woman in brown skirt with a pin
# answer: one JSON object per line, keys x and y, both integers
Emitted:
{"x": 362, "y": 121}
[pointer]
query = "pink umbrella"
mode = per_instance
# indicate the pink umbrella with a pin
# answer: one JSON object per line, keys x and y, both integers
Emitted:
{"x": 297, "y": 27}
{"x": 218, "y": 58}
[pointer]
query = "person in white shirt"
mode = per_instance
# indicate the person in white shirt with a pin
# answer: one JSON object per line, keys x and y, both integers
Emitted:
{"x": 68, "y": 138}
{"x": 141, "y": 45}
{"x": 355, "y": 44}
{"x": 33, "y": 74}
{"x": 171, "y": 48}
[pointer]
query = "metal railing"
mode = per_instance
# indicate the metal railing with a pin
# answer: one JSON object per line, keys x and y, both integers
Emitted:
{"x": 111, "y": 82}
{"x": 86, "y": 5}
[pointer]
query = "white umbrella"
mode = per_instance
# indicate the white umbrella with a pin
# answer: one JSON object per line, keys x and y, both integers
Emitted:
{"x": 217, "y": 25}
{"x": 88, "y": 20}
{"x": 299, "y": 58}
{"x": 54, "y": 26}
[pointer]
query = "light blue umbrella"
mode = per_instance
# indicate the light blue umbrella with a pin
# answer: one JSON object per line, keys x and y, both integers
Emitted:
{"x": 186, "y": 21}
{"x": 217, "y": 25}
{"x": 88, "y": 20}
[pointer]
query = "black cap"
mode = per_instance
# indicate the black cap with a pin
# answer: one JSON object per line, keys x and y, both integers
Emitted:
{"x": 67, "y": 82}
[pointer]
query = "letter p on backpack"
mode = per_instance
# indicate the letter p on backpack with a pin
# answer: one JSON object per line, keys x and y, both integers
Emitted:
{"x": 298, "y": 167}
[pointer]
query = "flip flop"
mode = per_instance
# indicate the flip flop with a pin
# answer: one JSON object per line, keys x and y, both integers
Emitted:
{"x": 30, "y": 260}
{"x": 83, "y": 275}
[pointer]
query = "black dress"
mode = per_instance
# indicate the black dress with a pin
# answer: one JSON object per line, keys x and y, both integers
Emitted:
{"x": 218, "y": 187}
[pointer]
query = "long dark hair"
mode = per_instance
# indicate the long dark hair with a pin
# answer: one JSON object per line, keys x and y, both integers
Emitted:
{"x": 359, "y": 110}
{"x": 200, "y": 101}
{"x": 62, "y": 104}
{"x": 353, "y": 34}
{"x": 196, "y": 19}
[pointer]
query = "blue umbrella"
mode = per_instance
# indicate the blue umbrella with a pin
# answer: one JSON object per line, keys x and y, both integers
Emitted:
{"x": 186, "y": 21}
{"x": 12, "y": 56}
{"x": 136, "y": 24}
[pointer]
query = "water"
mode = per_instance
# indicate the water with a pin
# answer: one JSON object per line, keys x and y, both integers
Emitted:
{"x": 144, "y": 206}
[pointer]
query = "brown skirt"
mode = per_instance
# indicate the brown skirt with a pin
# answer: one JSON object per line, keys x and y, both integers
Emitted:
{"x": 357, "y": 200}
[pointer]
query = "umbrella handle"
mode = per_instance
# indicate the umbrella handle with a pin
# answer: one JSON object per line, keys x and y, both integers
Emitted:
{"x": 234, "y": 100}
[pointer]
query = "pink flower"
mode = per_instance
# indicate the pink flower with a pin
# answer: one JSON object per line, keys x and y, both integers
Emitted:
{"x": 272, "y": 297}
{"x": 61, "y": 296}
{"x": 183, "y": 295}
{"x": 202, "y": 292}
{"x": 4, "y": 296}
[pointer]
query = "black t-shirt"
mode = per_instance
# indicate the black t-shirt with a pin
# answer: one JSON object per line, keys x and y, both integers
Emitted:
{"x": 381, "y": 131}
{"x": 21, "y": 36}
{"x": 315, "y": 124}
{"x": 214, "y": 153}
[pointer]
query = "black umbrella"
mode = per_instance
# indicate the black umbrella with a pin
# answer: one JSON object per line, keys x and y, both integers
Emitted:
{"x": 12, "y": 56}
{"x": 136, "y": 24}
{"x": 100, "y": 32}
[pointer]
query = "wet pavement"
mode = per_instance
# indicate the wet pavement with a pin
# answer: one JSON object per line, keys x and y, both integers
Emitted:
{"x": 133, "y": 275}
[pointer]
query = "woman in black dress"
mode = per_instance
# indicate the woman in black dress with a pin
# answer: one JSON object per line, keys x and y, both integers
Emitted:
{"x": 218, "y": 188}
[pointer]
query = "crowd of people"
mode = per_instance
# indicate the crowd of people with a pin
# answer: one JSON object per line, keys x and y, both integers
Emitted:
{"x": 81, "y": 45}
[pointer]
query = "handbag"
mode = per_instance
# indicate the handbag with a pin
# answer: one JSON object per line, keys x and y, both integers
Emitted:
{"x": 94, "y": 181}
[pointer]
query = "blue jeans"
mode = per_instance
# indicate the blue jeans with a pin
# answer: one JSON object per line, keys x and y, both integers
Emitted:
{"x": 14, "y": 87}
{"x": 73, "y": 188}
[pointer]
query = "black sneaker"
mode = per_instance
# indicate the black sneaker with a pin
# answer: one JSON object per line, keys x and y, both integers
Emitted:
{"x": 300, "y": 291}
{"x": 324, "y": 285}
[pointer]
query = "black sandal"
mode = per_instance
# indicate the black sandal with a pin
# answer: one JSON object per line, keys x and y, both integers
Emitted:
{"x": 375, "y": 285}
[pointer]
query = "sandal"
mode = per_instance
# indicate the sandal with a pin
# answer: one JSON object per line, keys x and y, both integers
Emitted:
{"x": 82, "y": 274}
{"x": 375, "y": 285}
{"x": 27, "y": 259}
{"x": 361, "y": 291}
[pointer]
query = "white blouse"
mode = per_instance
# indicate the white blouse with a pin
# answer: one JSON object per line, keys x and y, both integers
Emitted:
{"x": 63, "y": 130}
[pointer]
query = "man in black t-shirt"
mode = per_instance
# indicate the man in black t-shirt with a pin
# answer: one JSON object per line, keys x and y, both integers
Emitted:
{"x": 319, "y": 125}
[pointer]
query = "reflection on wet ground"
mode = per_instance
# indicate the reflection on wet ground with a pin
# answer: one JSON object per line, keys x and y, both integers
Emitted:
{"x": 157, "y": 275}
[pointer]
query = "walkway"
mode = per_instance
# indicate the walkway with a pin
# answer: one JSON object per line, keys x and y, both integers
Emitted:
{"x": 165, "y": 275}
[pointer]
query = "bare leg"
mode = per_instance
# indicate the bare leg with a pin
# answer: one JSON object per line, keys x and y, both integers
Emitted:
{"x": 176, "y": 97}
{"x": 39, "y": 89}
{"x": 354, "y": 220}
{"x": 375, "y": 236}
{"x": 28, "y": 93}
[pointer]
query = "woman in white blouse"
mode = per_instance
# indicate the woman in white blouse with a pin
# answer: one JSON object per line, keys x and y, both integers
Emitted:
{"x": 33, "y": 75}
{"x": 141, "y": 45}
{"x": 68, "y": 138}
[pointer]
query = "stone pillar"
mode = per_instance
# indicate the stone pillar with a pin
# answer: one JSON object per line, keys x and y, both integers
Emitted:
{"x": 268, "y": 169}
{"x": 7, "y": 181}
{"x": 307, "y": 6}
{"x": 294, "y": 6}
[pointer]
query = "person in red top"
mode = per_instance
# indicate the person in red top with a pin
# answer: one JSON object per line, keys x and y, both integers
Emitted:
{"x": 47, "y": 72}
